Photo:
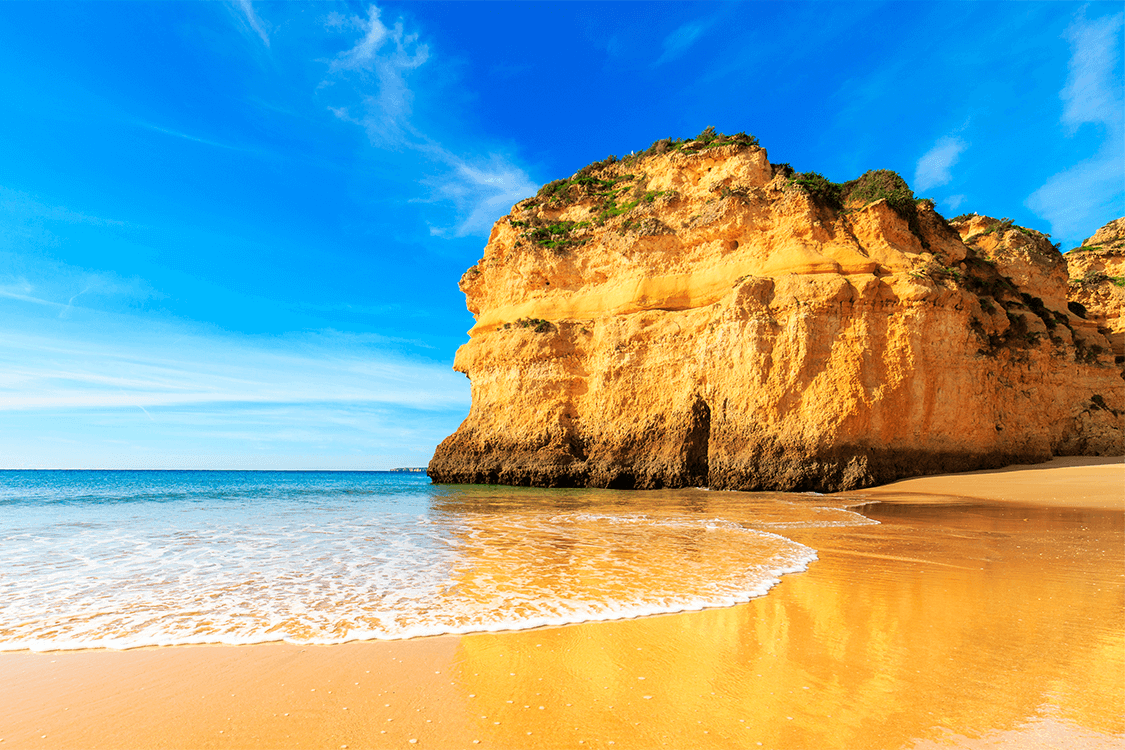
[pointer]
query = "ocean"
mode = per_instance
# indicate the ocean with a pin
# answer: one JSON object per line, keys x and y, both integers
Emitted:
{"x": 123, "y": 559}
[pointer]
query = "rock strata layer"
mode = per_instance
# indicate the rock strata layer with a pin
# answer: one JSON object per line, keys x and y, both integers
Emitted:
{"x": 697, "y": 316}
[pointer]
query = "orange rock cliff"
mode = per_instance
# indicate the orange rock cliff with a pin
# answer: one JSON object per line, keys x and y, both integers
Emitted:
{"x": 695, "y": 316}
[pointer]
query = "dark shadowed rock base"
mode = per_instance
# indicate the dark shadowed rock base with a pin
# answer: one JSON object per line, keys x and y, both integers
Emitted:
{"x": 767, "y": 467}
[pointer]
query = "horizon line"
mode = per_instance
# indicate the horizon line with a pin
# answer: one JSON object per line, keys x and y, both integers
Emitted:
{"x": 396, "y": 470}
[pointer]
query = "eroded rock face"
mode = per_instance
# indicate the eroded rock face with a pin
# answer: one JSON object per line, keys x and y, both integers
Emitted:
{"x": 700, "y": 317}
{"x": 1097, "y": 283}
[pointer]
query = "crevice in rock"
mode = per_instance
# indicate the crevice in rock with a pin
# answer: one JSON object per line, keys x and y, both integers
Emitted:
{"x": 697, "y": 444}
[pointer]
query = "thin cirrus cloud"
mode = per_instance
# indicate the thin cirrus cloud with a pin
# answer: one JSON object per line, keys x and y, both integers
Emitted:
{"x": 681, "y": 40}
{"x": 389, "y": 54}
{"x": 480, "y": 188}
{"x": 935, "y": 168}
{"x": 480, "y": 191}
{"x": 1090, "y": 94}
{"x": 162, "y": 369}
{"x": 20, "y": 210}
{"x": 1080, "y": 198}
{"x": 251, "y": 19}
{"x": 32, "y": 229}
{"x": 88, "y": 388}
{"x": 73, "y": 340}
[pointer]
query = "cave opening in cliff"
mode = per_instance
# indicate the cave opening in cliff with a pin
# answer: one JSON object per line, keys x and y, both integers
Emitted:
{"x": 697, "y": 444}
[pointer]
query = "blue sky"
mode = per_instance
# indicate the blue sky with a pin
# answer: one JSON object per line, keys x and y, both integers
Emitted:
{"x": 231, "y": 233}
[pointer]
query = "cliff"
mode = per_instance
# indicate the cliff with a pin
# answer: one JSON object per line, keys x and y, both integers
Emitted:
{"x": 696, "y": 316}
{"x": 1097, "y": 284}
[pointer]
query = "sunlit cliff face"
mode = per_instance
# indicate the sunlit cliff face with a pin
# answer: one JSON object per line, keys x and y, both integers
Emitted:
{"x": 702, "y": 317}
{"x": 1097, "y": 283}
{"x": 1005, "y": 623}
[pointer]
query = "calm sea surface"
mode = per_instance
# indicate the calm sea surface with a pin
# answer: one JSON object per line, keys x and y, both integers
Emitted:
{"x": 121, "y": 559}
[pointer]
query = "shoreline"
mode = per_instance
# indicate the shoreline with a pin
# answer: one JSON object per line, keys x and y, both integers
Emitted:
{"x": 1004, "y": 615}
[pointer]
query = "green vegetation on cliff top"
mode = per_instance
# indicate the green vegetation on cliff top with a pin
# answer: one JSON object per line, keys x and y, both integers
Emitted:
{"x": 617, "y": 191}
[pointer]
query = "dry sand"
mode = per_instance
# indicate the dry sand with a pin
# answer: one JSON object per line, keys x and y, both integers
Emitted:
{"x": 1067, "y": 482}
{"x": 955, "y": 622}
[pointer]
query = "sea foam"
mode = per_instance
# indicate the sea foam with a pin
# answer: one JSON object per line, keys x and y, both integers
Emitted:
{"x": 128, "y": 559}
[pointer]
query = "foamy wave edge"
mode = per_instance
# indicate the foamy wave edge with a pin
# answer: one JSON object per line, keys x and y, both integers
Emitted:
{"x": 804, "y": 556}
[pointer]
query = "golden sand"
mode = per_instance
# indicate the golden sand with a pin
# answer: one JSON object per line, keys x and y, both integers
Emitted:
{"x": 953, "y": 623}
{"x": 1067, "y": 482}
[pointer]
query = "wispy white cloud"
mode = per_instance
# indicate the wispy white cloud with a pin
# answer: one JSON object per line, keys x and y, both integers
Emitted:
{"x": 479, "y": 188}
{"x": 480, "y": 191}
{"x": 1093, "y": 93}
{"x": 954, "y": 201}
{"x": 681, "y": 40}
{"x": 60, "y": 290}
{"x": 20, "y": 207}
{"x": 336, "y": 21}
{"x": 19, "y": 289}
{"x": 65, "y": 312}
{"x": 389, "y": 54}
{"x": 162, "y": 366}
{"x": 30, "y": 230}
{"x": 1080, "y": 198}
{"x": 251, "y": 19}
{"x": 187, "y": 137}
{"x": 935, "y": 167}
{"x": 225, "y": 436}
{"x": 363, "y": 55}
{"x": 82, "y": 361}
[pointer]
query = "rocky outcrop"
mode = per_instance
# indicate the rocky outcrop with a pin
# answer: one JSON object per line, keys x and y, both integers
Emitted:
{"x": 695, "y": 315}
{"x": 1097, "y": 284}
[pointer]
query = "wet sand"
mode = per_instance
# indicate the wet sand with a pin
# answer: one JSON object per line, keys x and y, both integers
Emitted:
{"x": 994, "y": 618}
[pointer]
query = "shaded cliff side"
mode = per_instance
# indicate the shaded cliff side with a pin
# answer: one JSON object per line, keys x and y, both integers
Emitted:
{"x": 696, "y": 316}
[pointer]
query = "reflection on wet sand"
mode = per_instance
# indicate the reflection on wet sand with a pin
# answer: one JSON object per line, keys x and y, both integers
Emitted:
{"x": 519, "y": 569}
{"x": 945, "y": 622}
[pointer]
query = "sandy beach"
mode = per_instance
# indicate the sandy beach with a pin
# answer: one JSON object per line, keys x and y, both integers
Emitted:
{"x": 1067, "y": 482}
{"x": 985, "y": 610}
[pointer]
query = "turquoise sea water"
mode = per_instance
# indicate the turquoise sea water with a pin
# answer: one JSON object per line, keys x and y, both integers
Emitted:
{"x": 123, "y": 559}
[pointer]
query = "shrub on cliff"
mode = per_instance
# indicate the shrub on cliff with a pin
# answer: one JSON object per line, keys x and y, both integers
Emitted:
{"x": 881, "y": 184}
{"x": 558, "y": 236}
{"x": 536, "y": 324}
{"x": 820, "y": 188}
{"x": 708, "y": 139}
{"x": 601, "y": 178}
{"x": 871, "y": 186}
{"x": 1092, "y": 277}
